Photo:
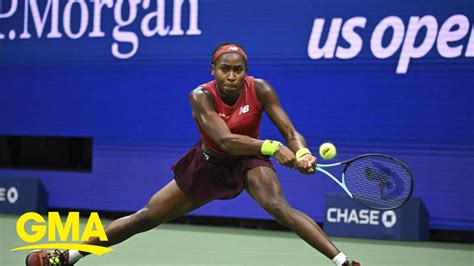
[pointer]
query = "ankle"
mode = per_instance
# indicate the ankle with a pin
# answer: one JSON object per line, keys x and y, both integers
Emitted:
{"x": 74, "y": 256}
{"x": 339, "y": 259}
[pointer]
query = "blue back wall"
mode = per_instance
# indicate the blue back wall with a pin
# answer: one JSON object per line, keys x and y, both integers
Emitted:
{"x": 65, "y": 70}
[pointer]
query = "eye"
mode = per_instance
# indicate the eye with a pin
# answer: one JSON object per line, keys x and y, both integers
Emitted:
{"x": 225, "y": 68}
{"x": 238, "y": 69}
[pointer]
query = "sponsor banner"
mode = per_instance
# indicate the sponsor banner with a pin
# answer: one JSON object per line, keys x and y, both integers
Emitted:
{"x": 20, "y": 195}
{"x": 126, "y": 29}
{"x": 346, "y": 218}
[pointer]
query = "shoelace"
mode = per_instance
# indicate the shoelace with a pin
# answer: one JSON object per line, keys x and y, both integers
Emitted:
{"x": 55, "y": 258}
{"x": 348, "y": 263}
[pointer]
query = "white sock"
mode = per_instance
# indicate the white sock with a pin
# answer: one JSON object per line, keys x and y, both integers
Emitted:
{"x": 339, "y": 259}
{"x": 74, "y": 256}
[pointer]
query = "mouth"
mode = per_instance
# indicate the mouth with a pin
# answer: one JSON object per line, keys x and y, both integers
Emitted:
{"x": 230, "y": 86}
{"x": 229, "y": 90}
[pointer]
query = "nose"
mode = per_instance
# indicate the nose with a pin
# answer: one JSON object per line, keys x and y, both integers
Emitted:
{"x": 231, "y": 76}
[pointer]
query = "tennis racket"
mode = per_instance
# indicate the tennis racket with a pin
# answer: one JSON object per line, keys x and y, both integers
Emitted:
{"x": 377, "y": 181}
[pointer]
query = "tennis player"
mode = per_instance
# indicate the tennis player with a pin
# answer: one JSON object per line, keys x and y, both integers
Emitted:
{"x": 228, "y": 158}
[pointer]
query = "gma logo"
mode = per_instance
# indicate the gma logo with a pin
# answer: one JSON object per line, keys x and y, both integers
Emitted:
{"x": 40, "y": 227}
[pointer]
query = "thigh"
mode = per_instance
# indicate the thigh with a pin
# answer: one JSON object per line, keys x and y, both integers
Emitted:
{"x": 262, "y": 184}
{"x": 171, "y": 202}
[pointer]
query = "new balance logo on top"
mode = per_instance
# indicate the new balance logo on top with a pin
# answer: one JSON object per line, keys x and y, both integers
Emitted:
{"x": 233, "y": 48}
{"x": 244, "y": 109}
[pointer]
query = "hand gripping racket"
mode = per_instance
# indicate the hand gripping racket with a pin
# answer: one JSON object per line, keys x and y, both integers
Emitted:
{"x": 376, "y": 181}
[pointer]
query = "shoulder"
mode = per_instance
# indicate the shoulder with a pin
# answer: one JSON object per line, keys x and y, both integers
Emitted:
{"x": 263, "y": 89}
{"x": 200, "y": 96}
{"x": 259, "y": 83}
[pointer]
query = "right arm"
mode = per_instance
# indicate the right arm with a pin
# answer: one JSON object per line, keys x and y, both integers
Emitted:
{"x": 203, "y": 108}
{"x": 202, "y": 104}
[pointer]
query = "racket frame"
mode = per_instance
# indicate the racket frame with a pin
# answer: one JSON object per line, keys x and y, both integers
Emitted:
{"x": 320, "y": 168}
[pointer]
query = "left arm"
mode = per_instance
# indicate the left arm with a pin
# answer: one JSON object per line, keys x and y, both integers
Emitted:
{"x": 295, "y": 141}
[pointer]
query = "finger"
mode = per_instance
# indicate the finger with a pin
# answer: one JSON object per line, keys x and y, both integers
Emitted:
{"x": 289, "y": 164}
{"x": 306, "y": 172}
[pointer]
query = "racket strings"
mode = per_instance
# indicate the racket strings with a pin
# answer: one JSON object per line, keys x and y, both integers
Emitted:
{"x": 378, "y": 182}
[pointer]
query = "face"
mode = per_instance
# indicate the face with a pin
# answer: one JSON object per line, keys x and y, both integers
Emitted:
{"x": 229, "y": 71}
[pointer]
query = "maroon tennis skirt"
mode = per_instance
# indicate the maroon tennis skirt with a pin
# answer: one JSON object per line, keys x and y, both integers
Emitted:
{"x": 206, "y": 177}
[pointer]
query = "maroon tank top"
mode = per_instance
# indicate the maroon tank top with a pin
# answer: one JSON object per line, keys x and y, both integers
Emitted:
{"x": 242, "y": 118}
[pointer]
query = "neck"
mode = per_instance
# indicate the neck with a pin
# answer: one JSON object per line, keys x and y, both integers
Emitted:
{"x": 229, "y": 99}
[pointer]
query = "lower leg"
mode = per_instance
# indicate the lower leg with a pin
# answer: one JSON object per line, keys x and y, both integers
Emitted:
{"x": 124, "y": 228}
{"x": 306, "y": 229}
{"x": 263, "y": 185}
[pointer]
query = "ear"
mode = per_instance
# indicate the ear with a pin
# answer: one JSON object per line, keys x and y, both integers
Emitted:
{"x": 213, "y": 68}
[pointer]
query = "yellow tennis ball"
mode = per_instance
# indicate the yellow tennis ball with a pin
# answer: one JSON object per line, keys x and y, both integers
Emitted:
{"x": 327, "y": 151}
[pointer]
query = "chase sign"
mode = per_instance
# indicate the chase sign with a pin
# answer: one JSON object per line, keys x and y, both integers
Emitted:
{"x": 346, "y": 218}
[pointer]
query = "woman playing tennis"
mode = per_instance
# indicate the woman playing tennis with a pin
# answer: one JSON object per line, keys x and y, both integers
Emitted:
{"x": 228, "y": 159}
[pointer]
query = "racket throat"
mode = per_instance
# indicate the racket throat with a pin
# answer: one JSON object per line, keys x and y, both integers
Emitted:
{"x": 341, "y": 184}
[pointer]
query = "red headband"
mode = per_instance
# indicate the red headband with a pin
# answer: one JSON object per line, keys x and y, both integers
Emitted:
{"x": 229, "y": 48}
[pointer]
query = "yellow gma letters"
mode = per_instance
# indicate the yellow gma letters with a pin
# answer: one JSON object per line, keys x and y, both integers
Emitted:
{"x": 54, "y": 224}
